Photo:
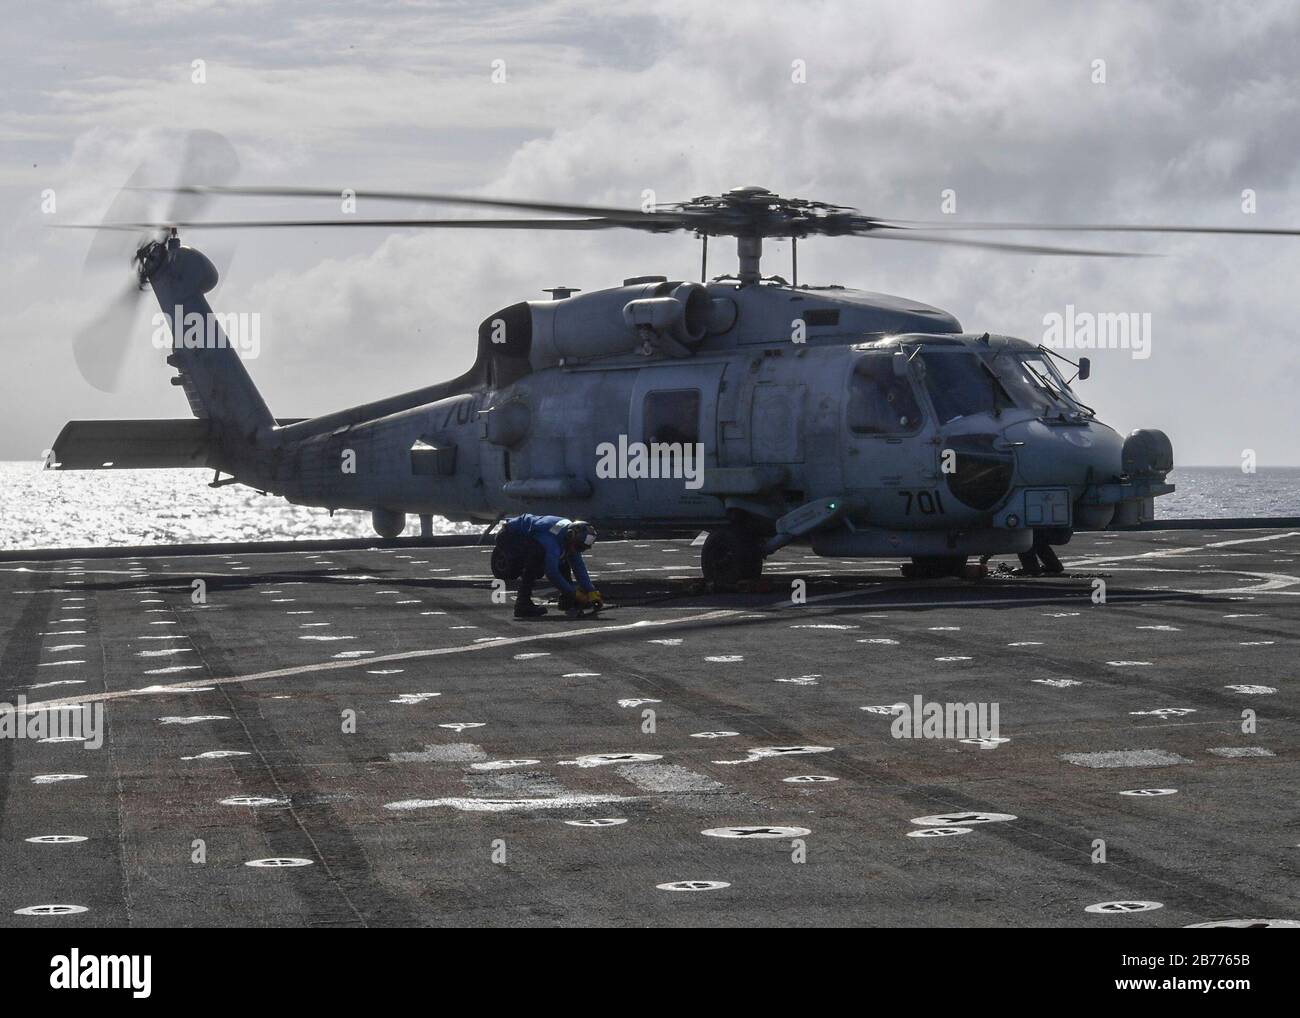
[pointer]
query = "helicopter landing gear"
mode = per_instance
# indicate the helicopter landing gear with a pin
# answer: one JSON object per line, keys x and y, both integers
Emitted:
{"x": 933, "y": 567}
{"x": 731, "y": 555}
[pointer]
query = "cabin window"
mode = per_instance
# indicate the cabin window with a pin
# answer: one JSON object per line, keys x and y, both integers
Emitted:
{"x": 881, "y": 402}
{"x": 820, "y": 318}
{"x": 672, "y": 416}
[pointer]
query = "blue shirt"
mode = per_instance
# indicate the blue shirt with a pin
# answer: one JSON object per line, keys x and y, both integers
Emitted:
{"x": 548, "y": 531}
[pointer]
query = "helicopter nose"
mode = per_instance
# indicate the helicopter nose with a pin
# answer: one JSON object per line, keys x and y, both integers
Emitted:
{"x": 1066, "y": 454}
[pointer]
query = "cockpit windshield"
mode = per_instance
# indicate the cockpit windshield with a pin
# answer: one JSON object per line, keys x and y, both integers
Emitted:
{"x": 961, "y": 384}
{"x": 1034, "y": 383}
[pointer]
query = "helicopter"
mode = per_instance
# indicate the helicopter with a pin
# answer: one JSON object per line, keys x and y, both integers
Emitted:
{"x": 764, "y": 411}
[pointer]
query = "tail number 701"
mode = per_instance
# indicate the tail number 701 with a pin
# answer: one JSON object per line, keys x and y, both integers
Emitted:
{"x": 924, "y": 502}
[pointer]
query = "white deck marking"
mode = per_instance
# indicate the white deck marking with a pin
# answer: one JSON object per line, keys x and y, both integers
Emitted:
{"x": 693, "y": 885}
{"x": 572, "y": 801}
{"x": 410, "y": 655}
{"x": 973, "y": 817}
{"x": 603, "y": 759}
{"x": 762, "y": 753}
{"x": 1181, "y": 550}
{"x": 749, "y": 833}
{"x": 503, "y": 765}
{"x": 939, "y": 832}
{"x": 278, "y": 863}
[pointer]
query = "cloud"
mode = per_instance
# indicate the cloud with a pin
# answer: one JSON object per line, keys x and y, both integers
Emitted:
{"x": 603, "y": 102}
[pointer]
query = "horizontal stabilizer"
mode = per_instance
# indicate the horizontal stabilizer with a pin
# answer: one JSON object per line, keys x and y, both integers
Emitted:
{"x": 130, "y": 445}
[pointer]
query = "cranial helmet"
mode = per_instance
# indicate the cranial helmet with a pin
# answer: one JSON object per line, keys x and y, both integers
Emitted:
{"x": 581, "y": 533}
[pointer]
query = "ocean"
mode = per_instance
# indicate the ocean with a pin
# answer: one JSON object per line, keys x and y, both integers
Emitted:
{"x": 53, "y": 509}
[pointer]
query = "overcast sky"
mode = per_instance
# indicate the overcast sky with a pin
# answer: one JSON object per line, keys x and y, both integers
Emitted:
{"x": 602, "y": 101}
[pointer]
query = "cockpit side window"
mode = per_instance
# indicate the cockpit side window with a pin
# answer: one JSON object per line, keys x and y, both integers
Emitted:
{"x": 960, "y": 384}
{"x": 881, "y": 402}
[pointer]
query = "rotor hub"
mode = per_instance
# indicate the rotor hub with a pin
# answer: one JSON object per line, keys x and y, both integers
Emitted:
{"x": 753, "y": 211}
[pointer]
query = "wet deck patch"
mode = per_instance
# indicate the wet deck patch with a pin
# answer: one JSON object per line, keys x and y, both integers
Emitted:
{"x": 651, "y": 777}
{"x": 1125, "y": 758}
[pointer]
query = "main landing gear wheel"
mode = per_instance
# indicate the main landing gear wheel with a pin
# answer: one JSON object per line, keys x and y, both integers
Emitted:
{"x": 933, "y": 567}
{"x": 506, "y": 563}
{"x": 731, "y": 556}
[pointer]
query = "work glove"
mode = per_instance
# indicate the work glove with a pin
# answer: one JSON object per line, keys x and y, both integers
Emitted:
{"x": 595, "y": 600}
{"x": 581, "y": 596}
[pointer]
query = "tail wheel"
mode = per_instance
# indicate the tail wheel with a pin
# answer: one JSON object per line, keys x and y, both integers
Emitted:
{"x": 930, "y": 567}
{"x": 731, "y": 556}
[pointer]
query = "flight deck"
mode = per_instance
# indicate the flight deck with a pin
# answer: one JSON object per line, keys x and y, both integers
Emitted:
{"x": 366, "y": 737}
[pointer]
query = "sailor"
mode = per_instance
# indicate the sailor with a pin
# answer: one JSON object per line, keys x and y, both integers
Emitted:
{"x": 551, "y": 545}
{"x": 1040, "y": 558}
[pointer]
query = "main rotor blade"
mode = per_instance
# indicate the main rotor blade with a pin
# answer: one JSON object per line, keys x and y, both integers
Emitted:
{"x": 994, "y": 245}
{"x": 916, "y": 224}
{"x": 667, "y": 223}
{"x": 558, "y": 208}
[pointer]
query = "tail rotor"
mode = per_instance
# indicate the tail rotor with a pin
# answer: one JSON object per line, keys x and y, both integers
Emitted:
{"x": 101, "y": 346}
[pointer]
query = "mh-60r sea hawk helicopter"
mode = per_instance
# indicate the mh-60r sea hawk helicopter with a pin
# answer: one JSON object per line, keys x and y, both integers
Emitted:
{"x": 859, "y": 423}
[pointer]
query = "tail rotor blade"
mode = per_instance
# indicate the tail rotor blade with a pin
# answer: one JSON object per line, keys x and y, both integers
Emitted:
{"x": 100, "y": 347}
{"x": 208, "y": 158}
